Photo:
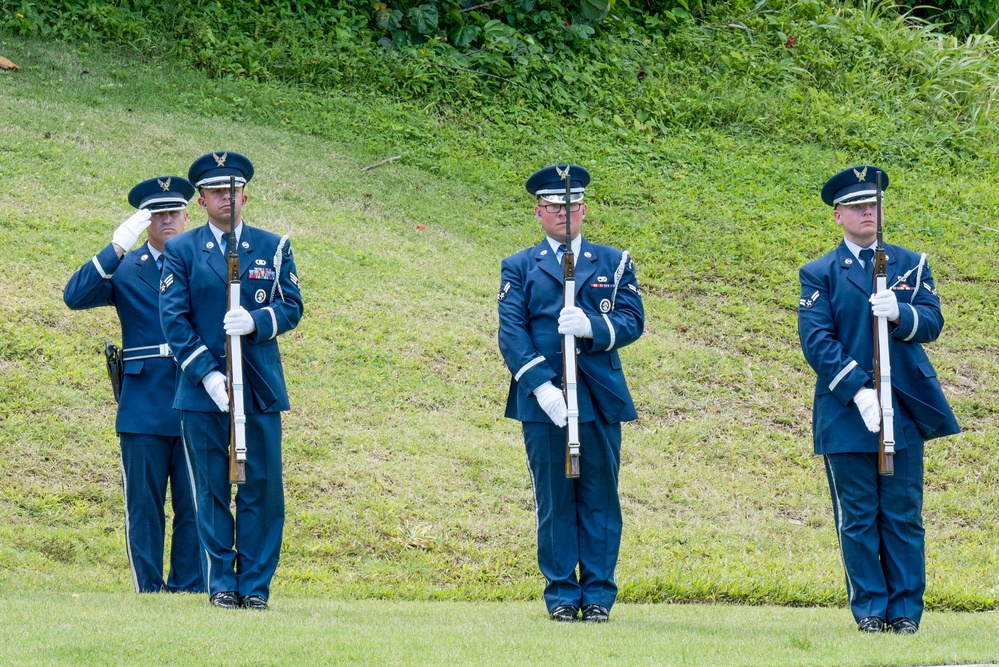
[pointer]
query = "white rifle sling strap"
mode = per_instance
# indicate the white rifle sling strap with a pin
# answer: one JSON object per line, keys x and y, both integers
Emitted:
{"x": 571, "y": 398}
{"x": 238, "y": 413}
{"x": 887, "y": 412}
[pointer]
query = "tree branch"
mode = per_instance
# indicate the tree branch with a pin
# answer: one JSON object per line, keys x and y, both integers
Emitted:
{"x": 380, "y": 163}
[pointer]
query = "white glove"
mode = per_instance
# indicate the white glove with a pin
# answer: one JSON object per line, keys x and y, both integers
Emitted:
{"x": 215, "y": 386}
{"x": 553, "y": 403}
{"x": 867, "y": 403}
{"x": 128, "y": 232}
{"x": 238, "y": 322}
{"x": 884, "y": 304}
{"x": 573, "y": 321}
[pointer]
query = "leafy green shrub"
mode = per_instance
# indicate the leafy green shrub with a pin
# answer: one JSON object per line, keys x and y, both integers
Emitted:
{"x": 963, "y": 17}
{"x": 802, "y": 70}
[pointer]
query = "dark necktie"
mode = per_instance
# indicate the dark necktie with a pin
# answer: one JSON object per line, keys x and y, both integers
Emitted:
{"x": 159, "y": 263}
{"x": 224, "y": 244}
{"x": 868, "y": 256}
{"x": 560, "y": 253}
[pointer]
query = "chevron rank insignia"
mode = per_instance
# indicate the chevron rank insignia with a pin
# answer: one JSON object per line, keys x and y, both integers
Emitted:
{"x": 165, "y": 284}
{"x": 503, "y": 291}
{"x": 810, "y": 301}
{"x": 293, "y": 278}
{"x": 930, "y": 288}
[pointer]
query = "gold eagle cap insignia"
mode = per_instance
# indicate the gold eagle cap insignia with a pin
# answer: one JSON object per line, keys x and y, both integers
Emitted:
{"x": 861, "y": 175}
{"x": 164, "y": 185}
{"x": 562, "y": 173}
{"x": 220, "y": 161}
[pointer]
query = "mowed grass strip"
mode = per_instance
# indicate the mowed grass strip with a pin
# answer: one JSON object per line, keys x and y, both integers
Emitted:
{"x": 110, "y": 629}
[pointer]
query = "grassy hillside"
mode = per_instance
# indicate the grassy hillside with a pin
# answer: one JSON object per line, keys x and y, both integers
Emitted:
{"x": 403, "y": 478}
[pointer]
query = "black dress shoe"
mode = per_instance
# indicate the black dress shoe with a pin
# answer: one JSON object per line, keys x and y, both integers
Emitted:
{"x": 904, "y": 626}
{"x": 225, "y": 599}
{"x": 253, "y": 602}
{"x": 564, "y": 613}
{"x": 871, "y": 624}
{"x": 595, "y": 613}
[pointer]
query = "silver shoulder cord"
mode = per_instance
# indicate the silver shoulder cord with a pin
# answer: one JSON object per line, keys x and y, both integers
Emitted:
{"x": 918, "y": 268}
{"x": 278, "y": 257}
{"x": 617, "y": 276}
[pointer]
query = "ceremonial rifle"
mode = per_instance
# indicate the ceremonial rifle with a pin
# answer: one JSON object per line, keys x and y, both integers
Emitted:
{"x": 234, "y": 357}
{"x": 882, "y": 358}
{"x": 569, "y": 341}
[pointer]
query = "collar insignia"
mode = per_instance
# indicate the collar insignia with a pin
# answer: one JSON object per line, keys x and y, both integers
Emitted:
{"x": 220, "y": 161}
{"x": 861, "y": 175}
{"x": 165, "y": 185}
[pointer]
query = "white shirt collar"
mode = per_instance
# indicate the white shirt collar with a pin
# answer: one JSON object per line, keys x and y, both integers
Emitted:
{"x": 577, "y": 243}
{"x": 153, "y": 251}
{"x": 218, "y": 233}
{"x": 855, "y": 249}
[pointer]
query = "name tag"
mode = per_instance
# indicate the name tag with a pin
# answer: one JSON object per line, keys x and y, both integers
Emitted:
{"x": 262, "y": 274}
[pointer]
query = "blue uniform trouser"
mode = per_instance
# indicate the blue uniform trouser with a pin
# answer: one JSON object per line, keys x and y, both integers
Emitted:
{"x": 579, "y": 520}
{"x": 879, "y": 521}
{"x": 147, "y": 463}
{"x": 242, "y": 552}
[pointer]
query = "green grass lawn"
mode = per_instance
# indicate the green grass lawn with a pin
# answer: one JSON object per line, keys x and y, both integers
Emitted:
{"x": 87, "y": 628}
{"x": 403, "y": 479}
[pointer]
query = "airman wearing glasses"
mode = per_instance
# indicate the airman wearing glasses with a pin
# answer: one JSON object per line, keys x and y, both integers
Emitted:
{"x": 579, "y": 520}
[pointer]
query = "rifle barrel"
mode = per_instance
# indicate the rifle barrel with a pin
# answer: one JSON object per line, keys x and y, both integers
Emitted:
{"x": 569, "y": 342}
{"x": 882, "y": 356}
{"x": 234, "y": 356}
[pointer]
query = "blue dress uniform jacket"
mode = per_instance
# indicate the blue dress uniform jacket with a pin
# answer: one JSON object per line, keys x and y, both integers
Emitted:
{"x": 878, "y": 518}
{"x": 194, "y": 302}
{"x": 578, "y": 520}
{"x": 132, "y": 285}
{"x": 242, "y": 551}
{"x": 530, "y": 301}
{"x": 835, "y": 326}
{"x": 149, "y": 434}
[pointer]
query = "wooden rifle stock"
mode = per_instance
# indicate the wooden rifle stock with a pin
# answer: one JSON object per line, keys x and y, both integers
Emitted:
{"x": 569, "y": 342}
{"x": 882, "y": 357}
{"x": 234, "y": 356}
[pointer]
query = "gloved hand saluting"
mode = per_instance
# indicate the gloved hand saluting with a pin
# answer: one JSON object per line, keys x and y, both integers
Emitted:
{"x": 553, "y": 403}
{"x": 128, "y": 232}
{"x": 238, "y": 322}
{"x": 867, "y": 403}
{"x": 573, "y": 320}
{"x": 884, "y": 304}
{"x": 215, "y": 386}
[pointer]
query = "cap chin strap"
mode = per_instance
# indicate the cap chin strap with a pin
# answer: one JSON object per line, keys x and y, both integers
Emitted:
{"x": 858, "y": 198}
{"x": 218, "y": 182}
{"x": 559, "y": 197}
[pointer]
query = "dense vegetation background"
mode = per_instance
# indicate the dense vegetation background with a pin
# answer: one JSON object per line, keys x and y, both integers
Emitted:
{"x": 709, "y": 130}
